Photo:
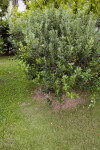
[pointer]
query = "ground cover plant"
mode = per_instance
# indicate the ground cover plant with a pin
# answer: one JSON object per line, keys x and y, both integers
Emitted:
{"x": 27, "y": 124}
{"x": 61, "y": 51}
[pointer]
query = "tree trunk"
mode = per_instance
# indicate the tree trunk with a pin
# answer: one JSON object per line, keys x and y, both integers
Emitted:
{"x": 14, "y": 2}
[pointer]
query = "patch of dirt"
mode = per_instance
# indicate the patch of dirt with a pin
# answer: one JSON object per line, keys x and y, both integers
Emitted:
{"x": 25, "y": 104}
{"x": 1, "y": 82}
{"x": 67, "y": 103}
{"x": 41, "y": 96}
{"x": 3, "y": 63}
{"x": 9, "y": 142}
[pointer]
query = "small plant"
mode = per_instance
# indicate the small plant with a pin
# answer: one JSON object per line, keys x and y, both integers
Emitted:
{"x": 93, "y": 101}
{"x": 49, "y": 102}
{"x": 60, "y": 100}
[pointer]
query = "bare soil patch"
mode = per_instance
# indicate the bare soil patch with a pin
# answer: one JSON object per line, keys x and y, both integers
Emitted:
{"x": 1, "y": 82}
{"x": 3, "y": 63}
{"x": 67, "y": 103}
{"x": 25, "y": 104}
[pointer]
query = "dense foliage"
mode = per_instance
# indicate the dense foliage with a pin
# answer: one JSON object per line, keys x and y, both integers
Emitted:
{"x": 59, "y": 50}
{"x": 73, "y": 5}
{"x": 3, "y": 7}
{"x": 5, "y": 45}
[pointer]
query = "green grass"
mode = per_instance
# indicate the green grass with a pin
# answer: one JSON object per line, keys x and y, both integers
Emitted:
{"x": 38, "y": 127}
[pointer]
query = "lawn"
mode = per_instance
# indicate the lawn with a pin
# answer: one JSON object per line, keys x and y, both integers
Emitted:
{"x": 38, "y": 127}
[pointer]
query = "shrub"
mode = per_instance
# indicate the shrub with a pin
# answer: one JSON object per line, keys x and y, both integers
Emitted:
{"x": 3, "y": 7}
{"x": 5, "y": 45}
{"x": 1, "y": 44}
{"x": 98, "y": 22}
{"x": 61, "y": 51}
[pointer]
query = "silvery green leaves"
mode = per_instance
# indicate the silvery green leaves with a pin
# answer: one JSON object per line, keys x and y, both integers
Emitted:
{"x": 59, "y": 48}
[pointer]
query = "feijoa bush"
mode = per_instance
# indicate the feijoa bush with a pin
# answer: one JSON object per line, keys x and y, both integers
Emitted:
{"x": 60, "y": 50}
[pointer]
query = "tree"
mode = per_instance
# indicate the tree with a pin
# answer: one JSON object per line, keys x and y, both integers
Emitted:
{"x": 94, "y": 6}
{"x": 26, "y": 3}
{"x": 14, "y": 2}
{"x": 5, "y": 45}
{"x": 74, "y": 5}
{"x": 3, "y": 7}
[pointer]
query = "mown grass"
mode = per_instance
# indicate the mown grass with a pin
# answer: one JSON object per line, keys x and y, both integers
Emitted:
{"x": 39, "y": 127}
